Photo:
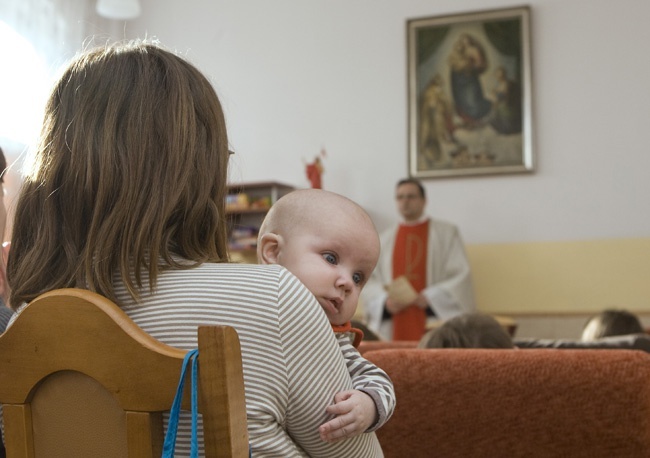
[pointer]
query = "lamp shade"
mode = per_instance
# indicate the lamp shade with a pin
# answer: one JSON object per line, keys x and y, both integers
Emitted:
{"x": 118, "y": 9}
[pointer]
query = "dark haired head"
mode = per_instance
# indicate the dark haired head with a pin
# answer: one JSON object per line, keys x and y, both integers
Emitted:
{"x": 3, "y": 166}
{"x": 417, "y": 183}
{"x": 469, "y": 330}
{"x": 611, "y": 322}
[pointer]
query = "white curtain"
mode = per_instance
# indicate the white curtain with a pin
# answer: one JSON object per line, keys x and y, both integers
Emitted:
{"x": 36, "y": 38}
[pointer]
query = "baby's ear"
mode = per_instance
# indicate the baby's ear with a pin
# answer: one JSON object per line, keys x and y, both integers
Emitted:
{"x": 268, "y": 248}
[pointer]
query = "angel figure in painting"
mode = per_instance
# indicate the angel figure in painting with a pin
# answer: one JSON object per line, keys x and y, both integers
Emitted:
{"x": 506, "y": 114}
{"x": 435, "y": 129}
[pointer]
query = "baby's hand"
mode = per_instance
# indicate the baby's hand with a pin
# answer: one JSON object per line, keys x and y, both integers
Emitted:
{"x": 355, "y": 412}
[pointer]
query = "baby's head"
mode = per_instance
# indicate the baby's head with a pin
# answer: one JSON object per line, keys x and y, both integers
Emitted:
{"x": 327, "y": 241}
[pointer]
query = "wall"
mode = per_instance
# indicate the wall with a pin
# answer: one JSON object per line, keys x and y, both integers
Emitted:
{"x": 296, "y": 77}
{"x": 552, "y": 288}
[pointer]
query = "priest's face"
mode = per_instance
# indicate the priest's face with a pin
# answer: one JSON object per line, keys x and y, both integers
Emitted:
{"x": 410, "y": 202}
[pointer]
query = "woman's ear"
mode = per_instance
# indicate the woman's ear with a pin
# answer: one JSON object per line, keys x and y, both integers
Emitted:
{"x": 269, "y": 248}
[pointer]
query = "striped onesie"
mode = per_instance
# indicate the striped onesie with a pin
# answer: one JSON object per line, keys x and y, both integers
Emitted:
{"x": 292, "y": 363}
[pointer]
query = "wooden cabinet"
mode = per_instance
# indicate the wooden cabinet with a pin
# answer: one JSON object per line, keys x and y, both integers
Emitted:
{"x": 246, "y": 206}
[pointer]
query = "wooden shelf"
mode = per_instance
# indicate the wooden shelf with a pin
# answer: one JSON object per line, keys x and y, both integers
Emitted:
{"x": 245, "y": 218}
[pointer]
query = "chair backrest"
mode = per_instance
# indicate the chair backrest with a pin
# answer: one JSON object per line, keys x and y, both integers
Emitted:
{"x": 457, "y": 403}
{"x": 121, "y": 378}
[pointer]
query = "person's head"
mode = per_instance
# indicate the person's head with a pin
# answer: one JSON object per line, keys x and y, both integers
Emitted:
{"x": 611, "y": 322}
{"x": 3, "y": 209}
{"x": 411, "y": 199}
{"x": 327, "y": 241}
{"x": 4, "y": 288}
{"x": 130, "y": 170}
{"x": 469, "y": 330}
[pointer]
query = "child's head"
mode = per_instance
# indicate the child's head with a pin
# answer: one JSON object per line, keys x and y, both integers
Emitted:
{"x": 469, "y": 330}
{"x": 611, "y": 323}
{"x": 327, "y": 241}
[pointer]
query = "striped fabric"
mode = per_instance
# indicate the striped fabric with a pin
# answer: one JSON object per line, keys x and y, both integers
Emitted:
{"x": 292, "y": 363}
{"x": 370, "y": 379}
{"x": 5, "y": 314}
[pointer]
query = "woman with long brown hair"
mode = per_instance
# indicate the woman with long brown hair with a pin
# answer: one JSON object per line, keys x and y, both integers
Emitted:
{"x": 127, "y": 198}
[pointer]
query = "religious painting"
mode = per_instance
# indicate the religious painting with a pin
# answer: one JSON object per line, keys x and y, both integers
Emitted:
{"x": 469, "y": 89}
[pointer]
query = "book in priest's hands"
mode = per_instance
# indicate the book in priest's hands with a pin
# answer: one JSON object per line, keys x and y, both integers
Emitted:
{"x": 401, "y": 291}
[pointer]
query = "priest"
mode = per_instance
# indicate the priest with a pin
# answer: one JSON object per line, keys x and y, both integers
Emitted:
{"x": 428, "y": 257}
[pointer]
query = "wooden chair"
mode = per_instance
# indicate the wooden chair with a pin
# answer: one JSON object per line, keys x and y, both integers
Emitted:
{"x": 79, "y": 378}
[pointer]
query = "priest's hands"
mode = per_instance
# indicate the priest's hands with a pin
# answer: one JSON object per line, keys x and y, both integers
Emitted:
{"x": 394, "y": 307}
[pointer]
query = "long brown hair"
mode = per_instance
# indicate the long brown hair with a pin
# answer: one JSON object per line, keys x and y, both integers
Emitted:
{"x": 130, "y": 170}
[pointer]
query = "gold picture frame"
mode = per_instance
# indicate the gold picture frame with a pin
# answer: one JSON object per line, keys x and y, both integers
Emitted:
{"x": 469, "y": 94}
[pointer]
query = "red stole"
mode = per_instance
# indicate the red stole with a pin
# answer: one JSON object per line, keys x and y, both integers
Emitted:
{"x": 410, "y": 260}
{"x": 347, "y": 327}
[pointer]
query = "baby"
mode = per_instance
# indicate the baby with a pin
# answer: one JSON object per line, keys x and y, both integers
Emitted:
{"x": 332, "y": 246}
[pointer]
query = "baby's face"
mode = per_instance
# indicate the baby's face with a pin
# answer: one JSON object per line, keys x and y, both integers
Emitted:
{"x": 334, "y": 259}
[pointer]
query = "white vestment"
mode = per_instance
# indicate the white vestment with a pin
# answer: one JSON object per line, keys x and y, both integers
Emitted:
{"x": 449, "y": 284}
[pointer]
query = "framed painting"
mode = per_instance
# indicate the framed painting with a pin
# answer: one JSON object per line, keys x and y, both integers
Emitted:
{"x": 469, "y": 94}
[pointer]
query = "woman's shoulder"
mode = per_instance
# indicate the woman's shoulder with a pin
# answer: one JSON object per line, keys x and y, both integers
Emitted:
{"x": 231, "y": 269}
{"x": 239, "y": 275}
{"x": 237, "y": 267}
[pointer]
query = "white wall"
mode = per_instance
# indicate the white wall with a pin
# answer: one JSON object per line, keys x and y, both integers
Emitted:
{"x": 296, "y": 76}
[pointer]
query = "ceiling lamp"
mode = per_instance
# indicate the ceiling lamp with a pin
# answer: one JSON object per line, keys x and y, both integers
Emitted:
{"x": 118, "y": 9}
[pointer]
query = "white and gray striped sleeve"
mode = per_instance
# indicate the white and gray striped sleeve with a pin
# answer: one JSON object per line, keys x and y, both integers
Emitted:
{"x": 370, "y": 379}
{"x": 316, "y": 372}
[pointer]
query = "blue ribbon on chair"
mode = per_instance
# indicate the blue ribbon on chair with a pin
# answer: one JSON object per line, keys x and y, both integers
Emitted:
{"x": 169, "y": 445}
